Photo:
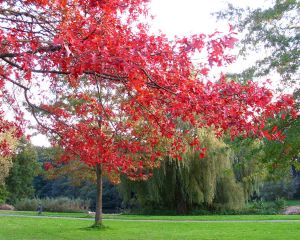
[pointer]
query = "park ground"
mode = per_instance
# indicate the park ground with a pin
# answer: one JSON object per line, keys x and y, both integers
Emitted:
{"x": 73, "y": 226}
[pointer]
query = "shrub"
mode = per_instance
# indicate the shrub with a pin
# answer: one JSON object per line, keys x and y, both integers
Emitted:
{"x": 261, "y": 207}
{"x": 61, "y": 204}
{"x": 279, "y": 204}
{"x": 27, "y": 204}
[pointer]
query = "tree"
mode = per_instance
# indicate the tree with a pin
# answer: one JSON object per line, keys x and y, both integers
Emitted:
{"x": 249, "y": 167}
{"x": 191, "y": 183}
{"x": 275, "y": 30}
{"x": 5, "y": 159}
{"x": 8, "y": 144}
{"x": 19, "y": 182}
{"x": 117, "y": 92}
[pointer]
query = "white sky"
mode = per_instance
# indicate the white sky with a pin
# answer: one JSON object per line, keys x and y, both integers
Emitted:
{"x": 177, "y": 17}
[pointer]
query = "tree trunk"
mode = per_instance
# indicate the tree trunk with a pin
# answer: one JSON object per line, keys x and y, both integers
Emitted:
{"x": 98, "y": 216}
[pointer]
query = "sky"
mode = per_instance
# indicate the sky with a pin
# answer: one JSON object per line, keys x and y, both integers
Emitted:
{"x": 176, "y": 17}
{"x": 181, "y": 18}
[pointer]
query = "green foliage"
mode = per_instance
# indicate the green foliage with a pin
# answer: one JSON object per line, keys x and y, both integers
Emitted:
{"x": 190, "y": 183}
{"x": 280, "y": 203}
{"x": 3, "y": 194}
{"x": 275, "y": 30}
{"x": 61, "y": 204}
{"x": 72, "y": 180}
{"x": 271, "y": 190}
{"x": 292, "y": 202}
{"x": 6, "y": 161}
{"x": 265, "y": 208}
{"x": 281, "y": 155}
{"x": 248, "y": 167}
{"x": 264, "y": 166}
{"x": 27, "y": 204}
{"x": 229, "y": 194}
{"x": 19, "y": 183}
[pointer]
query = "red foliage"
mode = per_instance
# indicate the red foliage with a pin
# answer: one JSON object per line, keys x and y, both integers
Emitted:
{"x": 48, "y": 166}
{"x": 120, "y": 93}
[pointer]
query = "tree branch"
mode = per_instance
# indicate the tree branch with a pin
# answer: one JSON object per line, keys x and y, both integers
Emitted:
{"x": 51, "y": 48}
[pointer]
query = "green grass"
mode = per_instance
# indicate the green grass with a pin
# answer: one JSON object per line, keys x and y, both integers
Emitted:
{"x": 292, "y": 202}
{"x": 151, "y": 217}
{"x": 17, "y": 228}
{"x": 207, "y": 217}
{"x": 50, "y": 214}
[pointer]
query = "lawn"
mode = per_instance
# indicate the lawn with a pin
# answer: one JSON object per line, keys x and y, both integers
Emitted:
{"x": 151, "y": 217}
{"x": 292, "y": 202}
{"x": 50, "y": 214}
{"x": 17, "y": 228}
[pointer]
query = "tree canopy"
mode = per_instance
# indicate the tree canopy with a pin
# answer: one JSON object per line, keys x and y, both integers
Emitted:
{"x": 115, "y": 86}
{"x": 273, "y": 31}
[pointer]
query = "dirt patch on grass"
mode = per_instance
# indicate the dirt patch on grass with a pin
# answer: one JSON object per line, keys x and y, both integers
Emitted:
{"x": 292, "y": 210}
{"x": 7, "y": 207}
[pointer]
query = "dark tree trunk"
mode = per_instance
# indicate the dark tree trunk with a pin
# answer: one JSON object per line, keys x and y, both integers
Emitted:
{"x": 181, "y": 207}
{"x": 180, "y": 202}
{"x": 98, "y": 216}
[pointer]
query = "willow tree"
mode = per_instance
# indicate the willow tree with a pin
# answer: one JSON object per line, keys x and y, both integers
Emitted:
{"x": 195, "y": 181}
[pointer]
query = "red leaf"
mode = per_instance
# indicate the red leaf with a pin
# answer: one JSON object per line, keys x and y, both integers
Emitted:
{"x": 230, "y": 41}
{"x": 48, "y": 166}
{"x": 204, "y": 71}
{"x": 202, "y": 153}
{"x": 267, "y": 135}
{"x": 274, "y": 129}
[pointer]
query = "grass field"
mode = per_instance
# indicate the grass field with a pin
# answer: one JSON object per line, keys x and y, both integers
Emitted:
{"x": 292, "y": 202}
{"x": 151, "y": 217}
{"x": 17, "y": 228}
{"x": 28, "y": 228}
{"x": 50, "y": 214}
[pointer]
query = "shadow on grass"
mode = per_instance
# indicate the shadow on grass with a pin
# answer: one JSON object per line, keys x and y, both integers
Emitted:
{"x": 96, "y": 228}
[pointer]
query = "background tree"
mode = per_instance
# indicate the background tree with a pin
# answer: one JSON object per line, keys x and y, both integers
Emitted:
{"x": 73, "y": 179}
{"x": 9, "y": 144}
{"x": 248, "y": 165}
{"x": 6, "y": 160}
{"x": 273, "y": 30}
{"x": 191, "y": 183}
{"x": 19, "y": 182}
